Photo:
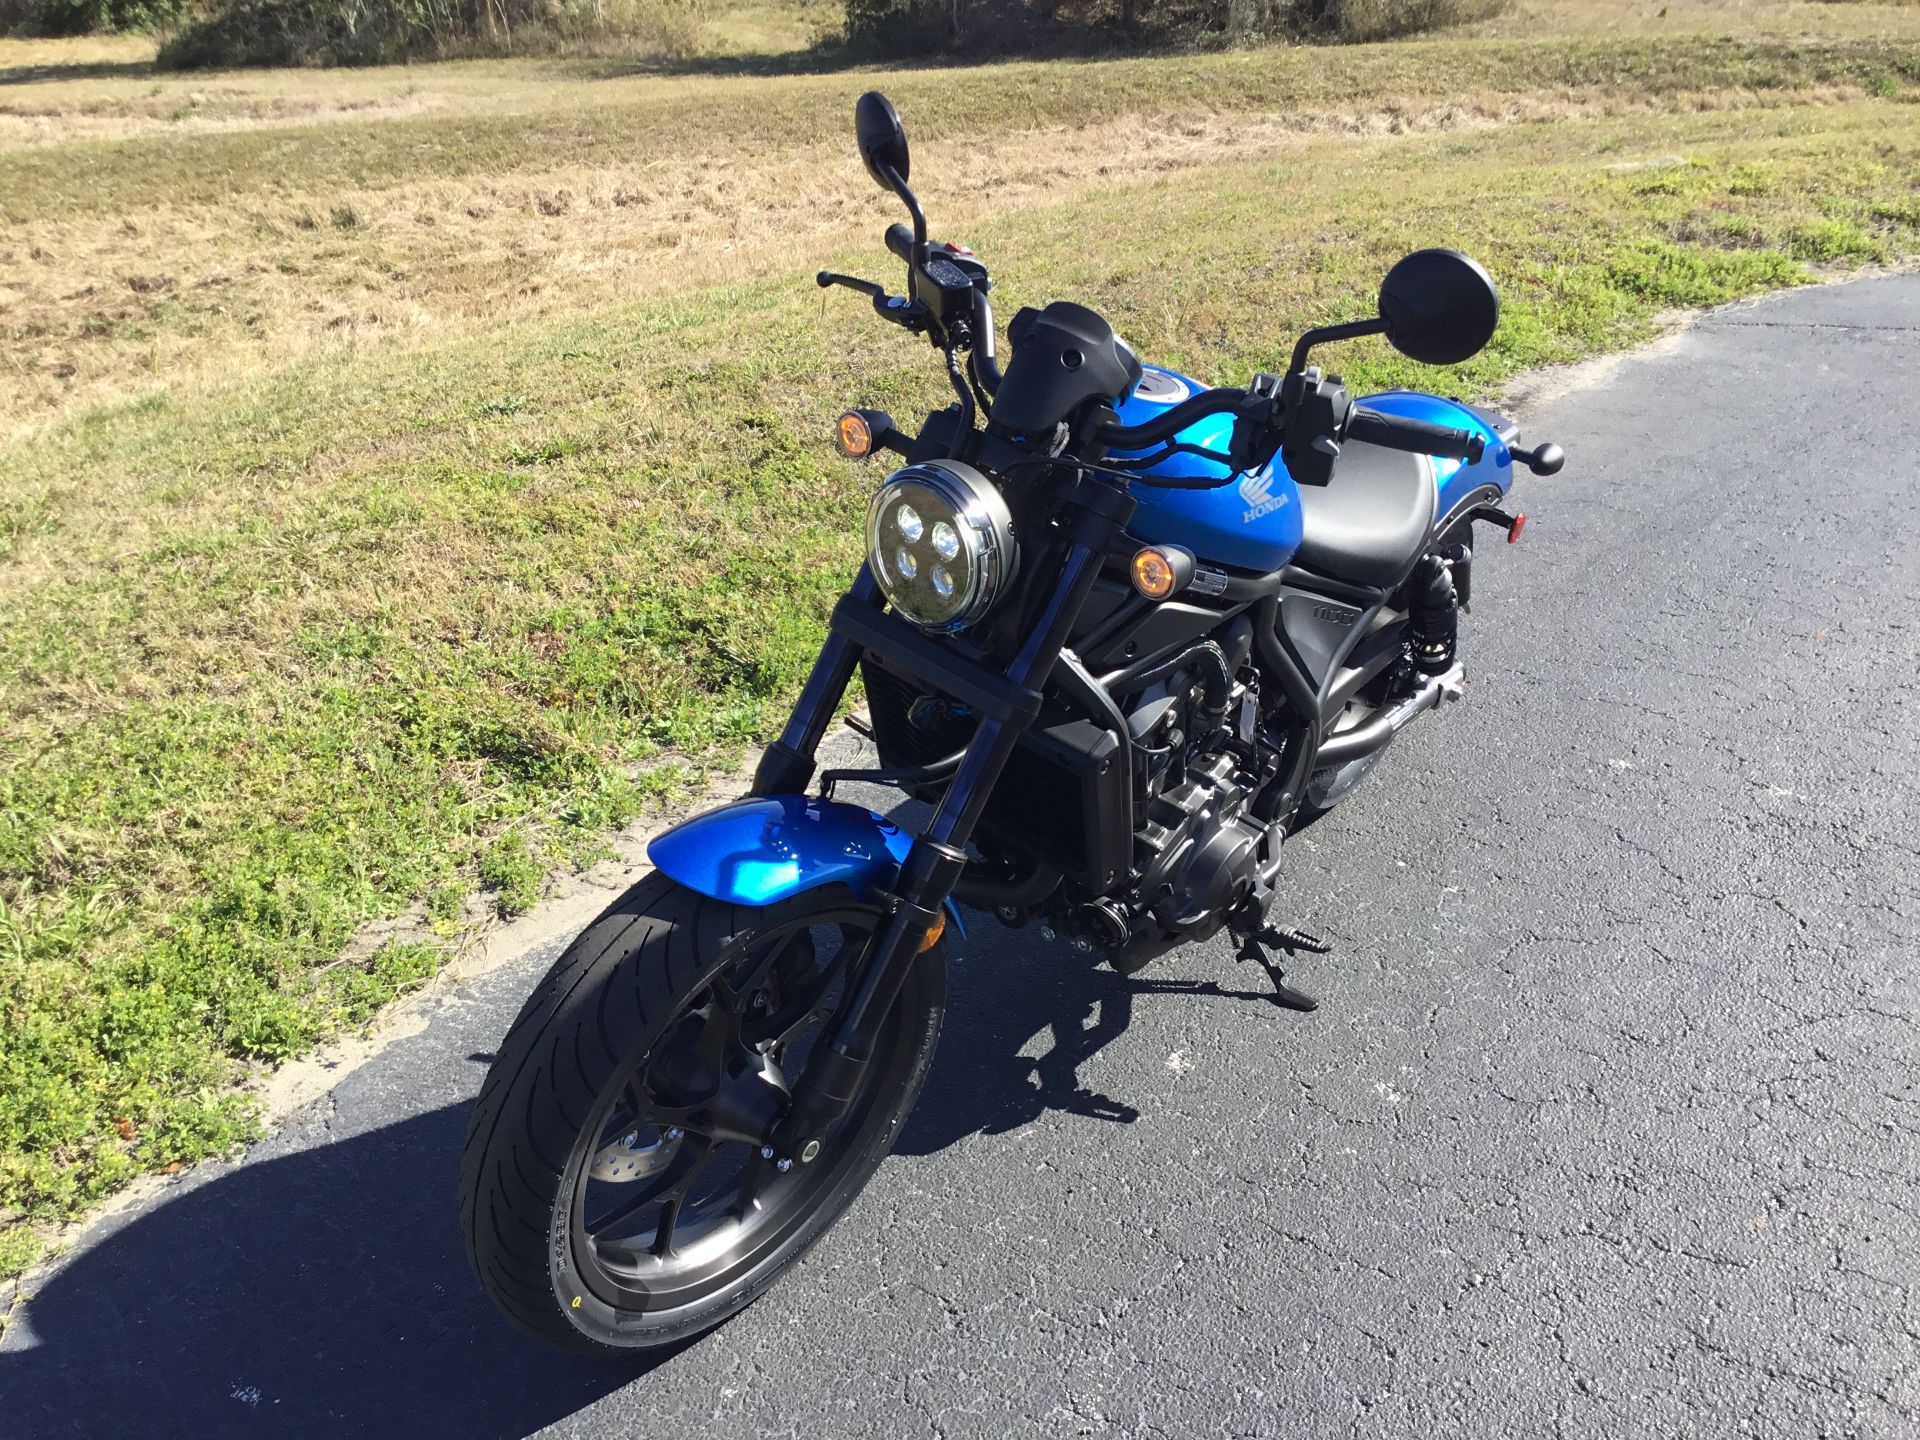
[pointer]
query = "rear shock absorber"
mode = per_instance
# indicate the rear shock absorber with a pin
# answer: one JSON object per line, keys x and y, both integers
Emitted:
{"x": 1459, "y": 558}
{"x": 1434, "y": 612}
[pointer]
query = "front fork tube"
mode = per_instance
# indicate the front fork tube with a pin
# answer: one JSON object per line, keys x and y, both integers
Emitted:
{"x": 787, "y": 766}
{"x": 937, "y": 859}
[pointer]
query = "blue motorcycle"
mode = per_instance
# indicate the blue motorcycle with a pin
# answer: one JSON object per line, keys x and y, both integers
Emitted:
{"x": 1124, "y": 634}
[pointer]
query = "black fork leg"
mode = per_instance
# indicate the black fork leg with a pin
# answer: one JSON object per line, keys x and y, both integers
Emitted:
{"x": 938, "y": 857}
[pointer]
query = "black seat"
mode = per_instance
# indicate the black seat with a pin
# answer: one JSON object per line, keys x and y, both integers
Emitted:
{"x": 1370, "y": 524}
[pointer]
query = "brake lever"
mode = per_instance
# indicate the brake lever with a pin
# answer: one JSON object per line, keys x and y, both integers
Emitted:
{"x": 899, "y": 310}
{"x": 865, "y": 287}
{"x": 896, "y": 309}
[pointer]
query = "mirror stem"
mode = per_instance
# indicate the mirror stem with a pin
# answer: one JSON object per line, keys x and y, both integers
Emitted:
{"x": 1352, "y": 330}
{"x": 912, "y": 202}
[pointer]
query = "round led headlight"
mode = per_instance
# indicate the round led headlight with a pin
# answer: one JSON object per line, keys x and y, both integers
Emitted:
{"x": 940, "y": 541}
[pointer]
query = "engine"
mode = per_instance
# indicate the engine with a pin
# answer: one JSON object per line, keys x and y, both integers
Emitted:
{"x": 1201, "y": 858}
{"x": 1152, "y": 833}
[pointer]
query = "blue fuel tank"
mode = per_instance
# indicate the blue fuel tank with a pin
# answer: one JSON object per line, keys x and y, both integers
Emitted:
{"x": 1252, "y": 524}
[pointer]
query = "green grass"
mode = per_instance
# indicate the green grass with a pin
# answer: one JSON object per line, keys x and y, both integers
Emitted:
{"x": 19, "y": 1248}
{"x": 299, "y": 653}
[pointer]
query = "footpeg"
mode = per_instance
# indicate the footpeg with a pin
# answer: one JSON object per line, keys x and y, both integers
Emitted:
{"x": 1294, "y": 941}
{"x": 1254, "y": 946}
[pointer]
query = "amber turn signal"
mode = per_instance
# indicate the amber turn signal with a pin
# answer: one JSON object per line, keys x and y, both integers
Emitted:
{"x": 934, "y": 932}
{"x": 855, "y": 435}
{"x": 1156, "y": 573}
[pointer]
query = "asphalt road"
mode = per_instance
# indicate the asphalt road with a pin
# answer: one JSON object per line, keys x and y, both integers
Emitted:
{"x": 1607, "y": 1124}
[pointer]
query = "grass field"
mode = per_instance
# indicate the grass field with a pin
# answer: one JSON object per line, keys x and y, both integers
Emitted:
{"x": 410, "y": 476}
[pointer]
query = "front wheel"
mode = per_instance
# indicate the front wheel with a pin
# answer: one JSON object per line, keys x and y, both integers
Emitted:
{"x": 613, "y": 1191}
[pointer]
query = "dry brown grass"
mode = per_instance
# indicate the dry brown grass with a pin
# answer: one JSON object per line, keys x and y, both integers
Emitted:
{"x": 1823, "y": 18}
{"x": 22, "y": 54}
{"x": 44, "y": 100}
{"x": 97, "y": 307}
{"x": 40, "y": 121}
{"x": 101, "y": 87}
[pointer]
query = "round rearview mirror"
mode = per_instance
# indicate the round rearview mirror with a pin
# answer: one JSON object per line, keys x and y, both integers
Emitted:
{"x": 1440, "y": 307}
{"x": 883, "y": 139}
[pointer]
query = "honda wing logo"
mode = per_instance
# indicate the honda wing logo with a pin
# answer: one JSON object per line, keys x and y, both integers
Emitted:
{"x": 1257, "y": 491}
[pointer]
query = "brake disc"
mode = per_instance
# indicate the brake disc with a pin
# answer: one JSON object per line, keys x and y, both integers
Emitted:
{"x": 639, "y": 1154}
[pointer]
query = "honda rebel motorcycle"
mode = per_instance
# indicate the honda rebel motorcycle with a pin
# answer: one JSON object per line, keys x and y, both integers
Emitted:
{"x": 1124, "y": 634}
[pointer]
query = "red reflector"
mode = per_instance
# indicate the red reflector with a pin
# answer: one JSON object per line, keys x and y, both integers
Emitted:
{"x": 955, "y": 248}
{"x": 1519, "y": 524}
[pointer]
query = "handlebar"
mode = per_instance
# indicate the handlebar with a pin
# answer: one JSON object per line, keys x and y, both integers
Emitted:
{"x": 1368, "y": 426}
{"x": 1169, "y": 423}
{"x": 1332, "y": 421}
{"x": 1391, "y": 432}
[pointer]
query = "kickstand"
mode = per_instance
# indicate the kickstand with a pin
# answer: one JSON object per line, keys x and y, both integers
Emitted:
{"x": 1294, "y": 942}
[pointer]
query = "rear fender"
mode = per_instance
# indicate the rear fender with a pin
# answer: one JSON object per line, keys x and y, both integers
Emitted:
{"x": 762, "y": 851}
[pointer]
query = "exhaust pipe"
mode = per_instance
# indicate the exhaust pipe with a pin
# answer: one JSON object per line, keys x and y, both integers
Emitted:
{"x": 983, "y": 888}
{"x": 1435, "y": 690}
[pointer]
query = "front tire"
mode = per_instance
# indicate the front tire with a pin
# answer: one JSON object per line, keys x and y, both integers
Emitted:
{"x": 610, "y": 1196}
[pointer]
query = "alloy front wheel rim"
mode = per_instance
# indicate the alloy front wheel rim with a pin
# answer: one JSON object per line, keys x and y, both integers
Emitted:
{"x": 676, "y": 1199}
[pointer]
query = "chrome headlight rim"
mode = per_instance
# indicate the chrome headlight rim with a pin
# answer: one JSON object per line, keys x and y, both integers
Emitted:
{"x": 985, "y": 556}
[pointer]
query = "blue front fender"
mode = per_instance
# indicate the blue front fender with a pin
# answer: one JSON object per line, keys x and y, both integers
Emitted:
{"x": 760, "y": 852}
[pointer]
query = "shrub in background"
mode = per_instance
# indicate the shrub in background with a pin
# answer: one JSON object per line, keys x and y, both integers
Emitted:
{"x": 1357, "y": 20}
{"x": 901, "y": 26}
{"x": 303, "y": 32}
{"x": 367, "y": 32}
{"x": 85, "y": 17}
{"x": 364, "y": 32}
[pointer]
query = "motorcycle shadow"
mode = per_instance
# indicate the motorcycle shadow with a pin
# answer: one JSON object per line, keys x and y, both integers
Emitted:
{"x": 1010, "y": 993}
{"x": 323, "y": 1292}
{"x": 1006, "y": 989}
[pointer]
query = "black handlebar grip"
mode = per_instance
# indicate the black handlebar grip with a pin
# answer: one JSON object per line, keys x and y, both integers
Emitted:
{"x": 1417, "y": 436}
{"x": 900, "y": 240}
